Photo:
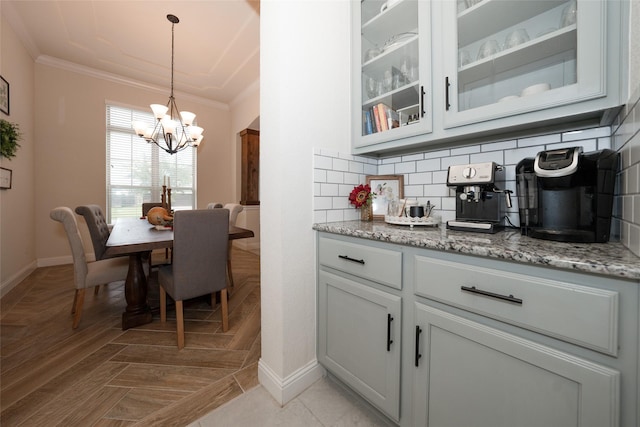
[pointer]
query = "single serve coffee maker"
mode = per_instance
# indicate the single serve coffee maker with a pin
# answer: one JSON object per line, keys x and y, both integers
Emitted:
{"x": 480, "y": 204}
{"x": 567, "y": 195}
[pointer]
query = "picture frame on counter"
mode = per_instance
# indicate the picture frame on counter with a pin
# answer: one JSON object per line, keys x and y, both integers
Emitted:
{"x": 5, "y": 178}
{"x": 4, "y": 96}
{"x": 385, "y": 188}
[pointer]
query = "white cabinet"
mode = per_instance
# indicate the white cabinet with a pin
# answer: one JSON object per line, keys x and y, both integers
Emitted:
{"x": 438, "y": 338}
{"x": 489, "y": 68}
{"x": 469, "y": 374}
{"x": 392, "y": 70}
{"x": 507, "y": 58}
{"x": 359, "y": 323}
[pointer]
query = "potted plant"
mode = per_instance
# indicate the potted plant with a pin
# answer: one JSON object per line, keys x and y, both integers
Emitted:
{"x": 9, "y": 137}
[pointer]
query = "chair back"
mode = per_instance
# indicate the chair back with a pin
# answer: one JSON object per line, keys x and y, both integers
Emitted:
{"x": 68, "y": 219}
{"x": 200, "y": 245}
{"x": 146, "y": 207}
{"x": 234, "y": 210}
{"x": 98, "y": 228}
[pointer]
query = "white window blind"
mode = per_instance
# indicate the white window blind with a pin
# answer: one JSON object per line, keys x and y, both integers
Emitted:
{"x": 136, "y": 169}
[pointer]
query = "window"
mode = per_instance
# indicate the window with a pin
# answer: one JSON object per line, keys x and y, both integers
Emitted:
{"x": 136, "y": 169}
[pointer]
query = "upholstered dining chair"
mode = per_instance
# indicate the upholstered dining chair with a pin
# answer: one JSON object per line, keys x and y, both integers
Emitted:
{"x": 200, "y": 244}
{"x": 146, "y": 207}
{"x": 87, "y": 274}
{"x": 99, "y": 230}
{"x": 234, "y": 210}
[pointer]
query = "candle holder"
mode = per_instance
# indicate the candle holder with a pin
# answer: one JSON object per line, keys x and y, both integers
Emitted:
{"x": 168, "y": 200}
{"x": 164, "y": 197}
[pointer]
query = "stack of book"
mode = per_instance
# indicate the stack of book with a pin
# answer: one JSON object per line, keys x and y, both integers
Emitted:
{"x": 379, "y": 118}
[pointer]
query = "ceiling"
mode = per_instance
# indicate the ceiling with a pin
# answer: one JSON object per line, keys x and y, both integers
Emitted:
{"x": 217, "y": 42}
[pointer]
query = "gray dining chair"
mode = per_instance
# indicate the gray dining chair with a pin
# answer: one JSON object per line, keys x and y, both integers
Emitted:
{"x": 99, "y": 230}
{"x": 200, "y": 244}
{"x": 146, "y": 207}
{"x": 87, "y": 274}
{"x": 234, "y": 210}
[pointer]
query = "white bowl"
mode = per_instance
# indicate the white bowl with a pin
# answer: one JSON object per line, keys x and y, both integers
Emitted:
{"x": 533, "y": 89}
{"x": 508, "y": 98}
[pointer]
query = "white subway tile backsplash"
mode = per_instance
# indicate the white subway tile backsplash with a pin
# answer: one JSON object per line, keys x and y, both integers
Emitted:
{"x": 328, "y": 189}
{"x": 454, "y": 160}
{"x": 407, "y": 167}
{"x": 419, "y": 178}
{"x": 586, "y": 134}
{"x": 513, "y": 157}
{"x": 499, "y": 146}
{"x": 490, "y": 156}
{"x": 425, "y": 174}
{"x": 428, "y": 165}
{"x": 322, "y": 162}
{"x": 388, "y": 169}
{"x": 540, "y": 140}
{"x": 340, "y": 165}
{"x": 586, "y": 144}
{"x": 412, "y": 157}
{"x": 465, "y": 150}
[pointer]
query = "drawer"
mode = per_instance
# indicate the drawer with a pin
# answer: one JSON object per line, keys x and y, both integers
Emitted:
{"x": 376, "y": 264}
{"x": 574, "y": 313}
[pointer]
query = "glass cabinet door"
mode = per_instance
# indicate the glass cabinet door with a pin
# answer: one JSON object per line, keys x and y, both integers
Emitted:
{"x": 391, "y": 65}
{"x": 510, "y": 57}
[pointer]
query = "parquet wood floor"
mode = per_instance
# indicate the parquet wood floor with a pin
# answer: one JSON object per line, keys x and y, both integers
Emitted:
{"x": 99, "y": 375}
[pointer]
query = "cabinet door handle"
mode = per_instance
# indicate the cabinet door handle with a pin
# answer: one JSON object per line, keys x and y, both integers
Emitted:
{"x": 422, "y": 93}
{"x": 418, "y": 355}
{"x": 509, "y": 298}
{"x": 389, "y": 340}
{"x": 446, "y": 93}
{"x": 348, "y": 258}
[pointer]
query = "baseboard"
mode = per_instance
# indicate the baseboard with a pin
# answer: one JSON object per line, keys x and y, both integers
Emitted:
{"x": 286, "y": 389}
{"x": 60, "y": 260}
{"x": 14, "y": 280}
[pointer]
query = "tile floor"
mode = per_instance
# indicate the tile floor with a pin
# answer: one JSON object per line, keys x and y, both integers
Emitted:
{"x": 325, "y": 404}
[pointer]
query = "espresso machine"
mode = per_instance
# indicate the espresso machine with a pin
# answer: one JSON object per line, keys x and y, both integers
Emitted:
{"x": 480, "y": 204}
{"x": 567, "y": 195}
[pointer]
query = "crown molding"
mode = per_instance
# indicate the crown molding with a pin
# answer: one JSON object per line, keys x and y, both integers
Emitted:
{"x": 114, "y": 78}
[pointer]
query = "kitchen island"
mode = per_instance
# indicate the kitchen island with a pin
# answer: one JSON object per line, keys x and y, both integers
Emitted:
{"x": 439, "y": 327}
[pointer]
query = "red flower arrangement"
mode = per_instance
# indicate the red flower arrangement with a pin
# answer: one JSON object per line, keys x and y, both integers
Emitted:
{"x": 361, "y": 196}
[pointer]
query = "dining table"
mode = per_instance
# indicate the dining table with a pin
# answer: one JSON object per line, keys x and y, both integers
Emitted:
{"x": 136, "y": 237}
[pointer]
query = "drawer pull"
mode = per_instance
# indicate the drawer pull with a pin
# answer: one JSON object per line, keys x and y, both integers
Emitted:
{"x": 418, "y": 355}
{"x": 389, "y": 340}
{"x": 509, "y": 298}
{"x": 348, "y": 258}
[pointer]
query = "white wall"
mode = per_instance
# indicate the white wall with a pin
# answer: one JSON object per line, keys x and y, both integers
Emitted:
{"x": 17, "y": 205}
{"x": 304, "y": 103}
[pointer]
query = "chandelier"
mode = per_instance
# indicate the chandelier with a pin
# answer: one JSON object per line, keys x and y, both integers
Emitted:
{"x": 173, "y": 131}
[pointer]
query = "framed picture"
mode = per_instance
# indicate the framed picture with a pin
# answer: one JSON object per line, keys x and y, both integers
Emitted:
{"x": 386, "y": 188}
{"x": 5, "y": 178}
{"x": 4, "y": 96}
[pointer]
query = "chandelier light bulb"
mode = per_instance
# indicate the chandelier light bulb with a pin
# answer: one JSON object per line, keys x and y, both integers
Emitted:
{"x": 195, "y": 132}
{"x": 168, "y": 125}
{"x": 159, "y": 110}
{"x": 187, "y": 117}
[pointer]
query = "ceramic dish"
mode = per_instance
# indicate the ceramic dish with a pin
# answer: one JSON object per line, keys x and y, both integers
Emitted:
{"x": 533, "y": 89}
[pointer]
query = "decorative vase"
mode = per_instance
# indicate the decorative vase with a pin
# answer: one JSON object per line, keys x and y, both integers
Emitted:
{"x": 366, "y": 213}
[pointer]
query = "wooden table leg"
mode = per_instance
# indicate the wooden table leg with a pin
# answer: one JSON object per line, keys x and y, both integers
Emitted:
{"x": 135, "y": 292}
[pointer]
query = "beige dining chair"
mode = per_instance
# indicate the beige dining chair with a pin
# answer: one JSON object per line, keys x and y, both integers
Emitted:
{"x": 234, "y": 210}
{"x": 200, "y": 244}
{"x": 146, "y": 207}
{"x": 87, "y": 274}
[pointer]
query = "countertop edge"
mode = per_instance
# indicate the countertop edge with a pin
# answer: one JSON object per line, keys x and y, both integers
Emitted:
{"x": 606, "y": 259}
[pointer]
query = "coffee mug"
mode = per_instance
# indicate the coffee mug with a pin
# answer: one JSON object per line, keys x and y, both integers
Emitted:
{"x": 416, "y": 211}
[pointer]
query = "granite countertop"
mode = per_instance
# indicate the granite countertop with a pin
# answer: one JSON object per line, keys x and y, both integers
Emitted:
{"x": 609, "y": 259}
